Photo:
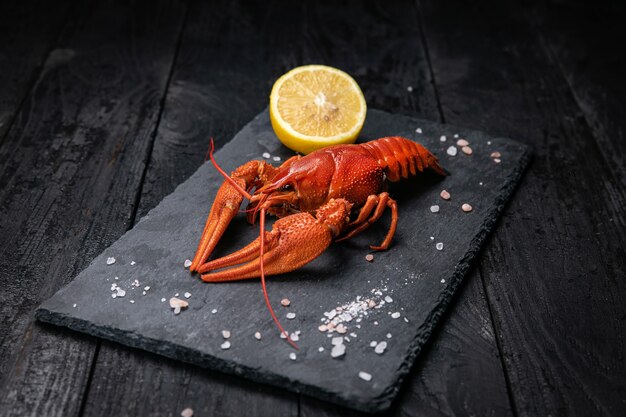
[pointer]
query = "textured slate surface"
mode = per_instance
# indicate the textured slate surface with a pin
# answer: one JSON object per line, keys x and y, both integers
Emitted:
{"x": 420, "y": 279}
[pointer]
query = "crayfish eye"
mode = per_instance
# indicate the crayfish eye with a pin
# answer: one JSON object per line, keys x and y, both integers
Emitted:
{"x": 286, "y": 187}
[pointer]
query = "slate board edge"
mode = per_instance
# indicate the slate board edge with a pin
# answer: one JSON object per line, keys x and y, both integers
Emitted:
{"x": 376, "y": 404}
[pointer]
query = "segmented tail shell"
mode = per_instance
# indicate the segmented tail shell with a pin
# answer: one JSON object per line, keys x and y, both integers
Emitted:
{"x": 401, "y": 157}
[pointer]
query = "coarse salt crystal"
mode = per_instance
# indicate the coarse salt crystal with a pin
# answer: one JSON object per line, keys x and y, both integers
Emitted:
{"x": 225, "y": 334}
{"x": 132, "y": 301}
{"x": 120, "y": 292}
{"x": 443, "y": 281}
{"x": 162, "y": 300}
{"x": 497, "y": 160}
{"x": 214, "y": 311}
{"x": 365, "y": 376}
{"x": 443, "y": 139}
{"x": 276, "y": 158}
{"x": 409, "y": 88}
{"x": 110, "y": 260}
{"x": 341, "y": 329}
{"x": 432, "y": 238}
{"x": 146, "y": 288}
{"x": 388, "y": 335}
{"x": 284, "y": 334}
{"x": 369, "y": 257}
{"x": 336, "y": 340}
{"x": 294, "y": 337}
{"x": 177, "y": 310}
{"x": 488, "y": 142}
{"x": 285, "y": 302}
{"x": 451, "y": 151}
{"x": 133, "y": 263}
{"x": 187, "y": 263}
{"x": 462, "y": 142}
{"x": 187, "y": 412}
{"x": 177, "y": 302}
{"x": 418, "y": 130}
{"x": 439, "y": 246}
{"x": 466, "y": 208}
{"x": 456, "y": 135}
{"x": 320, "y": 349}
{"x": 495, "y": 154}
{"x": 395, "y": 315}
{"x": 322, "y": 328}
{"x": 388, "y": 299}
{"x": 225, "y": 345}
{"x": 187, "y": 294}
{"x": 266, "y": 155}
{"x": 445, "y": 195}
{"x": 292, "y": 356}
{"x": 373, "y": 343}
{"x": 291, "y": 316}
{"x": 380, "y": 348}
{"x": 338, "y": 350}
{"x": 74, "y": 306}
{"x": 257, "y": 336}
{"x": 143, "y": 293}
{"x": 434, "y": 209}
{"x": 467, "y": 150}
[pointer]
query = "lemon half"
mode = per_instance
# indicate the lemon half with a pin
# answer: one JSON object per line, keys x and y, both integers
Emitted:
{"x": 314, "y": 106}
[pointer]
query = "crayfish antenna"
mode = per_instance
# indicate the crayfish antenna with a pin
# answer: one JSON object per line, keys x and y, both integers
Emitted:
{"x": 225, "y": 175}
{"x": 267, "y": 300}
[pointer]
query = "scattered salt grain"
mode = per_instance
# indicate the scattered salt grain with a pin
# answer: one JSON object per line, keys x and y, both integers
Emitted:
{"x": 432, "y": 238}
{"x": 365, "y": 376}
{"x": 409, "y": 88}
{"x": 462, "y": 142}
{"x": 146, "y": 288}
{"x": 443, "y": 139}
{"x": 294, "y": 337}
{"x": 395, "y": 315}
{"x": 162, "y": 300}
{"x": 418, "y": 130}
{"x": 187, "y": 412}
{"x": 292, "y": 356}
{"x": 388, "y": 299}
{"x": 497, "y": 160}
{"x": 143, "y": 293}
{"x": 132, "y": 301}
{"x": 257, "y": 336}
{"x": 451, "y": 151}
{"x": 488, "y": 142}
{"x": 276, "y": 158}
{"x": 284, "y": 335}
{"x": 133, "y": 263}
{"x": 110, "y": 260}
{"x": 116, "y": 278}
{"x": 74, "y": 306}
{"x": 177, "y": 310}
{"x": 495, "y": 154}
{"x": 388, "y": 335}
{"x": 467, "y": 150}
{"x": 177, "y": 302}
{"x": 187, "y": 263}
{"x": 291, "y": 316}
{"x": 120, "y": 292}
{"x": 338, "y": 350}
{"x": 226, "y": 334}
{"x": 225, "y": 345}
{"x": 285, "y": 302}
{"x": 336, "y": 341}
{"x": 341, "y": 329}
{"x": 320, "y": 349}
{"x": 266, "y": 155}
{"x": 373, "y": 343}
{"x": 322, "y": 327}
{"x": 406, "y": 320}
{"x": 187, "y": 294}
{"x": 439, "y": 246}
{"x": 434, "y": 209}
{"x": 369, "y": 257}
{"x": 380, "y": 348}
{"x": 443, "y": 281}
{"x": 445, "y": 195}
{"x": 456, "y": 135}
{"x": 214, "y": 311}
{"x": 466, "y": 208}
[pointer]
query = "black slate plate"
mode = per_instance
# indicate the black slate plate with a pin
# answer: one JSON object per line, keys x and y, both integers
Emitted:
{"x": 419, "y": 278}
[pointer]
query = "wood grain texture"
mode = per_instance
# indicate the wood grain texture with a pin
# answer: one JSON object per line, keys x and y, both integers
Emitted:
{"x": 219, "y": 83}
{"x": 222, "y": 78}
{"x": 554, "y": 266}
{"x": 581, "y": 42}
{"x": 27, "y": 38}
{"x": 71, "y": 167}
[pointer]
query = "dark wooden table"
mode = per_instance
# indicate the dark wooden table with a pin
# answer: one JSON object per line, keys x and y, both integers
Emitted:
{"x": 106, "y": 106}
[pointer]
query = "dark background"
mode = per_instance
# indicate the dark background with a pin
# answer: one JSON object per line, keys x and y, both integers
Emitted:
{"x": 106, "y": 106}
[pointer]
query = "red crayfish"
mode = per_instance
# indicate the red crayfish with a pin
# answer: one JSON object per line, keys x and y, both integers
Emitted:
{"x": 314, "y": 197}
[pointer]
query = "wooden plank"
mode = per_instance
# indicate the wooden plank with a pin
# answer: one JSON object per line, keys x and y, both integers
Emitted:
{"x": 554, "y": 267}
{"x": 222, "y": 79}
{"x": 220, "y": 82}
{"x": 72, "y": 165}
{"x": 581, "y": 42}
{"x": 27, "y": 38}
